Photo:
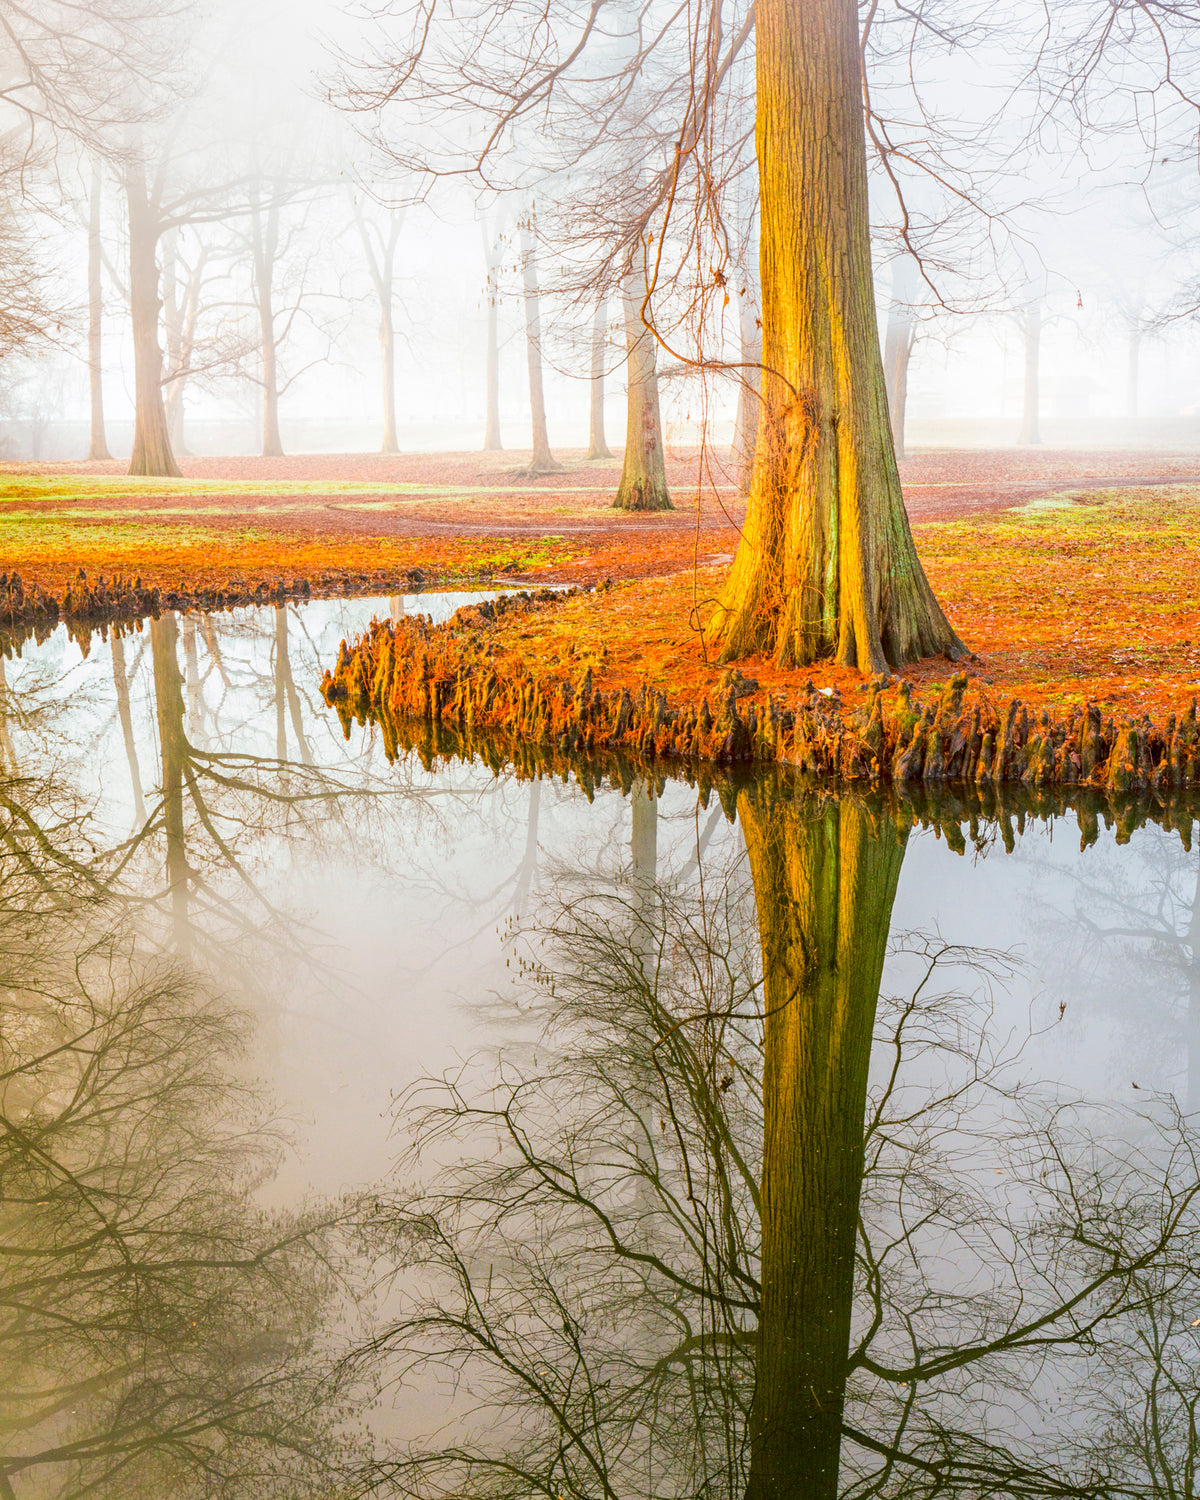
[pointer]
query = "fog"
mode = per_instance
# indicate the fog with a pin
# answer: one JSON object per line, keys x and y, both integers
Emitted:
{"x": 1018, "y": 170}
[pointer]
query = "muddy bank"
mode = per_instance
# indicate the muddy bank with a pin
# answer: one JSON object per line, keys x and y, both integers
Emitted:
{"x": 466, "y": 675}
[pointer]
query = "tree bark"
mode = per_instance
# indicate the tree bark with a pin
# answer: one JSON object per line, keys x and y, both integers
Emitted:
{"x": 898, "y": 346}
{"x": 151, "y": 441}
{"x": 824, "y": 883}
{"x": 597, "y": 443}
{"x": 643, "y": 483}
{"x": 1031, "y": 327}
{"x": 98, "y": 441}
{"x": 826, "y": 565}
{"x": 491, "y": 431}
{"x": 542, "y": 460}
{"x": 265, "y": 230}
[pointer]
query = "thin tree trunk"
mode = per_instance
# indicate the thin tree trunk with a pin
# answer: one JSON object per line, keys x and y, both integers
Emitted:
{"x": 1031, "y": 327}
{"x": 151, "y": 441}
{"x": 491, "y": 431}
{"x": 265, "y": 229}
{"x": 542, "y": 459}
{"x": 745, "y": 433}
{"x": 898, "y": 346}
{"x": 381, "y": 267}
{"x": 597, "y": 442}
{"x": 8, "y": 751}
{"x": 168, "y": 697}
{"x": 387, "y": 352}
{"x": 174, "y": 315}
{"x": 824, "y": 882}
{"x": 1132, "y": 371}
{"x": 98, "y": 441}
{"x": 643, "y": 483}
{"x": 826, "y": 564}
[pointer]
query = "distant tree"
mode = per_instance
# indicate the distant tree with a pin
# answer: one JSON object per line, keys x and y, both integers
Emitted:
{"x": 643, "y": 483}
{"x": 380, "y": 237}
{"x": 597, "y": 443}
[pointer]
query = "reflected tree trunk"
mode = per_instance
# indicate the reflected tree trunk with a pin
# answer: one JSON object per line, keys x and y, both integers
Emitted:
{"x": 121, "y": 682}
{"x": 168, "y": 697}
{"x": 542, "y": 459}
{"x": 98, "y": 441}
{"x": 824, "y": 882}
{"x": 644, "y": 839}
{"x": 286, "y": 696}
{"x": 528, "y": 869}
{"x": 8, "y": 754}
{"x": 597, "y": 442}
{"x": 195, "y": 700}
{"x": 1193, "y": 1011}
{"x": 643, "y": 483}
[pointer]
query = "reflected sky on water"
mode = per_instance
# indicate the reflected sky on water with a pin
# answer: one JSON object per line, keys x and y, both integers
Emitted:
{"x": 375, "y": 924}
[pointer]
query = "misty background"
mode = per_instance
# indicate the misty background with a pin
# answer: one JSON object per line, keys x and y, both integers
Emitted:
{"x": 243, "y": 115}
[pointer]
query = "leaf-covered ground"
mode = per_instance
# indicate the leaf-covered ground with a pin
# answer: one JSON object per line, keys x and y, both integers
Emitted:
{"x": 1071, "y": 575}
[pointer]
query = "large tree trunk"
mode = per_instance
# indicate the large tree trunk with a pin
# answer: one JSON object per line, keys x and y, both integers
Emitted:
{"x": 542, "y": 460}
{"x": 826, "y": 564}
{"x": 643, "y": 483}
{"x": 491, "y": 431}
{"x": 898, "y": 345}
{"x": 98, "y": 441}
{"x": 265, "y": 229}
{"x": 824, "y": 883}
{"x": 151, "y": 441}
{"x": 1031, "y": 327}
{"x": 597, "y": 443}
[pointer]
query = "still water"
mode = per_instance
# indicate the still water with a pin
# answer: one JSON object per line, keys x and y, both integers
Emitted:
{"x": 375, "y": 1128}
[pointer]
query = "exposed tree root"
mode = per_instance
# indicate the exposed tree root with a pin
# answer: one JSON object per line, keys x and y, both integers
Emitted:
{"x": 461, "y": 677}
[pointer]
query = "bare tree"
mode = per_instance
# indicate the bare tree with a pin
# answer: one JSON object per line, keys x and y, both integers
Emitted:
{"x": 97, "y": 438}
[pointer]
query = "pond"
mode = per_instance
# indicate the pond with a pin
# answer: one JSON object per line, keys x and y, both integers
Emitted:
{"x": 405, "y": 1126}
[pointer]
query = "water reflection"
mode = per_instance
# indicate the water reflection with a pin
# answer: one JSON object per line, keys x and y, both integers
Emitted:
{"x": 158, "y": 1331}
{"x": 733, "y": 1225}
{"x": 716, "y": 1218}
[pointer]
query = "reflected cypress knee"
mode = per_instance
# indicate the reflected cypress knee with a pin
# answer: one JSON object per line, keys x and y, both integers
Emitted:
{"x": 824, "y": 881}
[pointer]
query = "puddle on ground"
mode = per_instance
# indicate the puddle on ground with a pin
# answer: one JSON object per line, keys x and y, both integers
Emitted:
{"x": 453, "y": 1133}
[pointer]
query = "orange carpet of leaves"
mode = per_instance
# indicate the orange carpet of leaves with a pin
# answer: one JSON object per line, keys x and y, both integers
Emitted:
{"x": 1078, "y": 593}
